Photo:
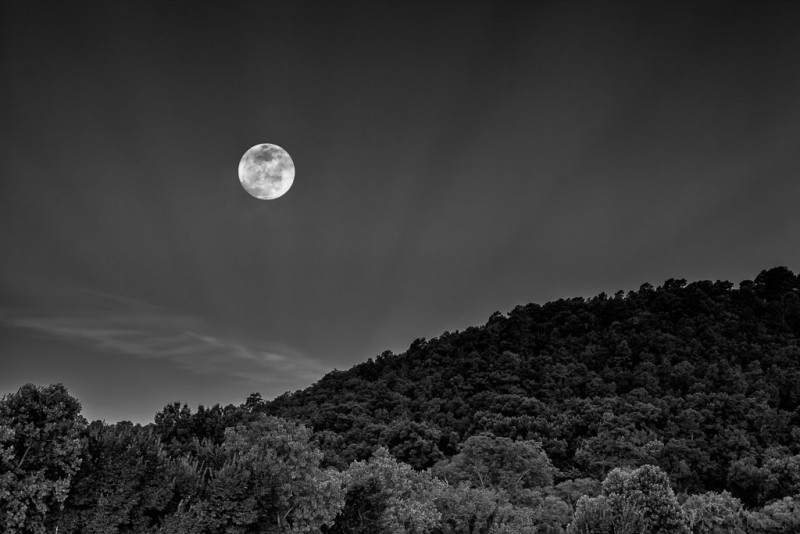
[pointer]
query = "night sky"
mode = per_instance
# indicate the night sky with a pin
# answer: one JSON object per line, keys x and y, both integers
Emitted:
{"x": 453, "y": 160}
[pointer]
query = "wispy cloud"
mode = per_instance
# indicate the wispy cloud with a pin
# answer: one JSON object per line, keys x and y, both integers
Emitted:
{"x": 135, "y": 329}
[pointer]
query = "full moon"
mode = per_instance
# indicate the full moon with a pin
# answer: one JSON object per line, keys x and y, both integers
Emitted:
{"x": 266, "y": 171}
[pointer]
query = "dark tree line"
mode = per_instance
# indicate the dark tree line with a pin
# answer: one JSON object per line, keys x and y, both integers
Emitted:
{"x": 668, "y": 409}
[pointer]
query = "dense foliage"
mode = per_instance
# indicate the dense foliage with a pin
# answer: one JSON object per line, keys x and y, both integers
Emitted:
{"x": 667, "y": 409}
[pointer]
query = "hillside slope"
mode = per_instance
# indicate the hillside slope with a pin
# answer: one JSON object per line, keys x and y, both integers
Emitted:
{"x": 701, "y": 379}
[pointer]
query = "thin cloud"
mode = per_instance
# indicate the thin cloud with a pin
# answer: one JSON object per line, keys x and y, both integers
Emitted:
{"x": 139, "y": 330}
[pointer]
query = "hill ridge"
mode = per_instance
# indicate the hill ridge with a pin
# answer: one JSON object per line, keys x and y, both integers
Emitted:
{"x": 674, "y": 374}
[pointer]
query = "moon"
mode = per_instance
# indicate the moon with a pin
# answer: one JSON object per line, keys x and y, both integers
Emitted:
{"x": 266, "y": 171}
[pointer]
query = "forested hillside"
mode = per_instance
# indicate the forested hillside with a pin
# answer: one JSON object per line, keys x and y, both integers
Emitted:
{"x": 701, "y": 379}
{"x": 668, "y": 409}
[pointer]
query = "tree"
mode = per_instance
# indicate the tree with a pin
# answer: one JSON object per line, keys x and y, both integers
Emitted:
{"x": 292, "y": 491}
{"x": 465, "y": 509}
{"x": 39, "y": 454}
{"x": 416, "y": 444}
{"x": 605, "y": 515}
{"x": 487, "y": 461}
{"x": 640, "y": 500}
{"x": 515, "y": 520}
{"x": 174, "y": 427}
{"x": 775, "y": 282}
{"x": 570, "y": 491}
{"x": 270, "y": 482}
{"x": 124, "y": 483}
{"x": 387, "y": 497}
{"x": 778, "y": 476}
{"x": 714, "y": 513}
{"x": 549, "y": 513}
{"x": 779, "y": 517}
{"x": 470, "y": 510}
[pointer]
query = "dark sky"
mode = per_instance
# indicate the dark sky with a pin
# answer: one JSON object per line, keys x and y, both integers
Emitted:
{"x": 453, "y": 160}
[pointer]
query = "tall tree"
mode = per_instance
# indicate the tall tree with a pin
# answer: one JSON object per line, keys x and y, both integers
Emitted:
{"x": 124, "y": 484}
{"x": 388, "y": 497}
{"x": 40, "y": 451}
{"x": 641, "y": 499}
{"x": 270, "y": 482}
